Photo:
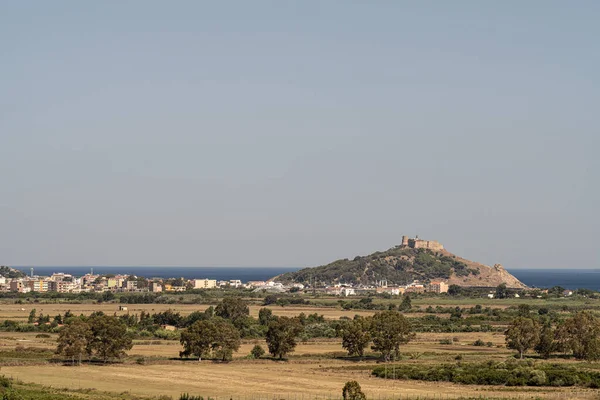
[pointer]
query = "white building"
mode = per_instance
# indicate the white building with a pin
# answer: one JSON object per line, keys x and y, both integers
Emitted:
{"x": 204, "y": 283}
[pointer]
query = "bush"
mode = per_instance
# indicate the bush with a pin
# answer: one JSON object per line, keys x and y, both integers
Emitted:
{"x": 479, "y": 342}
{"x": 445, "y": 341}
{"x": 5, "y": 382}
{"x": 352, "y": 391}
{"x": 510, "y": 373}
{"x": 42, "y": 335}
{"x": 257, "y": 351}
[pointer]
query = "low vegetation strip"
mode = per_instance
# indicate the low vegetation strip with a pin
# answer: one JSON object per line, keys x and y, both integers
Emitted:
{"x": 509, "y": 373}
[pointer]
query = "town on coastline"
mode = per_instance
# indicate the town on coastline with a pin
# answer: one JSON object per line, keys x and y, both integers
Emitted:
{"x": 66, "y": 283}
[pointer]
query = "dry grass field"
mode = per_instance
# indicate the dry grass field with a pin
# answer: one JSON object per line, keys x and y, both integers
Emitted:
{"x": 247, "y": 380}
{"x": 317, "y": 368}
{"x": 21, "y": 311}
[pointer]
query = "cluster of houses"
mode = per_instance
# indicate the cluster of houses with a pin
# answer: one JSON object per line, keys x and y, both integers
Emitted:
{"x": 436, "y": 286}
{"x": 67, "y": 283}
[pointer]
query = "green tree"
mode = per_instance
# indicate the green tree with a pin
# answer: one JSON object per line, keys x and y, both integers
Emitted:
{"x": 235, "y": 310}
{"x": 501, "y": 291}
{"x": 281, "y": 335}
{"x": 265, "y": 315}
{"x": 454, "y": 290}
{"x": 545, "y": 345}
{"x": 406, "y": 303}
{"x": 197, "y": 340}
{"x": 352, "y": 391}
{"x": 227, "y": 339}
{"x": 581, "y": 335}
{"x": 110, "y": 338}
{"x": 215, "y": 337}
{"x": 32, "y": 316}
{"x": 257, "y": 351}
{"x": 356, "y": 336}
{"x": 390, "y": 329}
{"x": 522, "y": 334}
{"x": 73, "y": 339}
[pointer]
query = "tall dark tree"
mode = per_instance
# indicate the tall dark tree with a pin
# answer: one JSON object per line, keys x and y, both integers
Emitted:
{"x": 109, "y": 338}
{"x": 235, "y": 310}
{"x": 356, "y": 336}
{"x": 522, "y": 334}
{"x": 265, "y": 315}
{"x": 211, "y": 337}
{"x": 73, "y": 339}
{"x": 581, "y": 335}
{"x": 197, "y": 340}
{"x": 390, "y": 329}
{"x": 501, "y": 291}
{"x": 281, "y": 336}
{"x": 545, "y": 345}
{"x": 406, "y": 303}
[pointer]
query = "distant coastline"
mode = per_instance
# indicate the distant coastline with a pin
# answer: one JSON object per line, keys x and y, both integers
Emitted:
{"x": 567, "y": 278}
{"x": 219, "y": 273}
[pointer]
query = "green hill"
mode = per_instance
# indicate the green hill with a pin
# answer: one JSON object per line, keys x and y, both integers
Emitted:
{"x": 401, "y": 265}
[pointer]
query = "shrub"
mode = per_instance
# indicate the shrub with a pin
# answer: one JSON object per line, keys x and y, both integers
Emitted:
{"x": 352, "y": 391}
{"x": 455, "y": 339}
{"x": 479, "y": 342}
{"x": 5, "y": 382}
{"x": 42, "y": 335}
{"x": 257, "y": 351}
{"x": 445, "y": 341}
{"x": 509, "y": 373}
{"x": 140, "y": 360}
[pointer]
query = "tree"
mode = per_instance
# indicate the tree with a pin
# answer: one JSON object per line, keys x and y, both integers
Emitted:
{"x": 257, "y": 351}
{"x": 73, "y": 339}
{"x": 545, "y": 345}
{"x": 234, "y": 309}
{"x": 390, "y": 329}
{"x": 522, "y": 334}
{"x": 356, "y": 336}
{"x": 454, "y": 290}
{"x": 197, "y": 339}
{"x": 32, "y": 316}
{"x": 215, "y": 337}
{"x": 352, "y": 391}
{"x": 109, "y": 338}
{"x": 281, "y": 335}
{"x": 501, "y": 291}
{"x": 227, "y": 339}
{"x": 406, "y": 303}
{"x": 265, "y": 315}
{"x": 524, "y": 310}
{"x": 581, "y": 335}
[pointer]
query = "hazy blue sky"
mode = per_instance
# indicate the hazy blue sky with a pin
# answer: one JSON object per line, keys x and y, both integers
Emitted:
{"x": 273, "y": 133}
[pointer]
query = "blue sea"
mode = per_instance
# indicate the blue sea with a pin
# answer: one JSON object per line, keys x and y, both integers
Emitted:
{"x": 219, "y": 273}
{"x": 542, "y": 278}
{"x": 567, "y": 278}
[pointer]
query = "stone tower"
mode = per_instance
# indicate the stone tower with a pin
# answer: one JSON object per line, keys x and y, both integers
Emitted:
{"x": 404, "y": 240}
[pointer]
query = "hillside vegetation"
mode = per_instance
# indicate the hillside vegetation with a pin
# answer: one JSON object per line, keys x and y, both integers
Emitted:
{"x": 401, "y": 265}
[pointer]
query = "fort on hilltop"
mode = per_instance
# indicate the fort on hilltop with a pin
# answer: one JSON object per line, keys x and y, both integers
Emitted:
{"x": 417, "y": 243}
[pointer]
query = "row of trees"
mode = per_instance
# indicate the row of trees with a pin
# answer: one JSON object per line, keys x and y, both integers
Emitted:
{"x": 219, "y": 338}
{"x": 387, "y": 330}
{"x": 100, "y": 335}
{"x": 578, "y": 335}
